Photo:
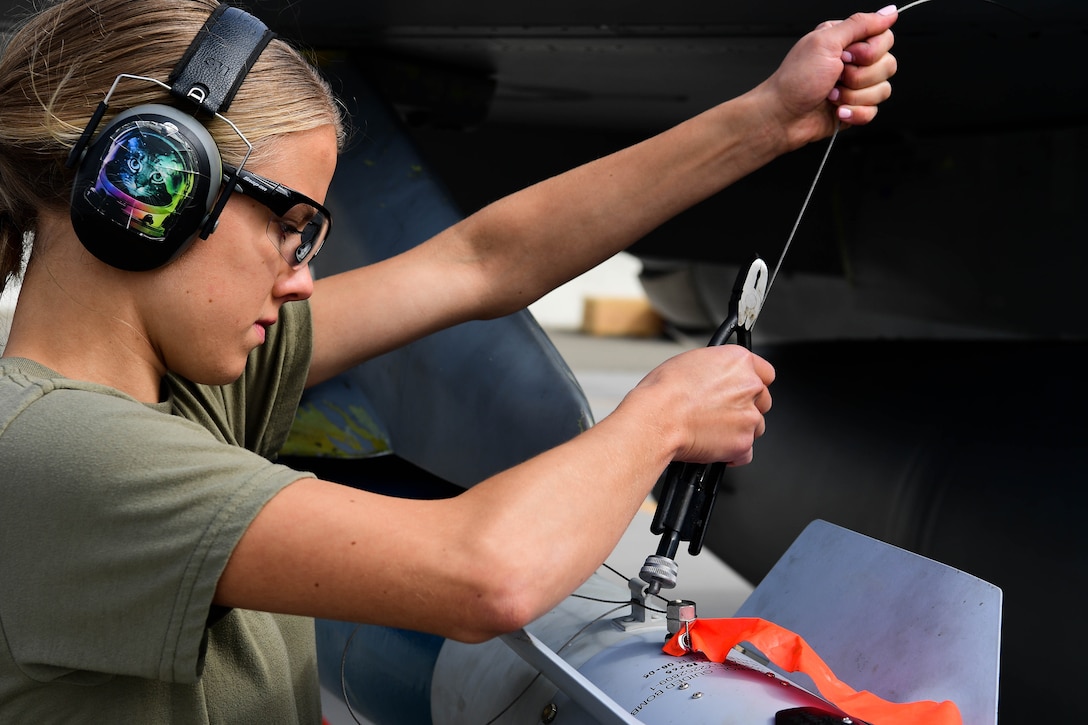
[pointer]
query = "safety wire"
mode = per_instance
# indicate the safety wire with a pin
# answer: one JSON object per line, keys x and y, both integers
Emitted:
{"x": 343, "y": 675}
{"x": 804, "y": 207}
{"x": 908, "y": 6}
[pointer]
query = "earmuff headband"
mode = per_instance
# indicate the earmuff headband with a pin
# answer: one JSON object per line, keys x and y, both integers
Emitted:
{"x": 219, "y": 58}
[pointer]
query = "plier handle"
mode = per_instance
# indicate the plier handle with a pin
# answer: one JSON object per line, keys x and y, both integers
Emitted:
{"x": 689, "y": 489}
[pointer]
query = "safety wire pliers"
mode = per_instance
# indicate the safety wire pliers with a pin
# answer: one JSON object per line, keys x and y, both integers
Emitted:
{"x": 688, "y": 491}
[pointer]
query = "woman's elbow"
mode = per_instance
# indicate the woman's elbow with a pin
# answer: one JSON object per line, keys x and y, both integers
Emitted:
{"x": 502, "y": 596}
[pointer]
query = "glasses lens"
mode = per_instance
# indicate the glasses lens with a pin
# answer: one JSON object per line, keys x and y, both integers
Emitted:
{"x": 299, "y": 234}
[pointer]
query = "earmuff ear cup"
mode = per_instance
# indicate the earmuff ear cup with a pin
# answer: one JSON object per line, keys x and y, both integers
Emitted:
{"x": 145, "y": 186}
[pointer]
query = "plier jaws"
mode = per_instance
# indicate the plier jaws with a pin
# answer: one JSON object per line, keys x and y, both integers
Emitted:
{"x": 749, "y": 291}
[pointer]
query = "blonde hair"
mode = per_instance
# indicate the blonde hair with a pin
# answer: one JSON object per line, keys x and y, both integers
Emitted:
{"x": 59, "y": 65}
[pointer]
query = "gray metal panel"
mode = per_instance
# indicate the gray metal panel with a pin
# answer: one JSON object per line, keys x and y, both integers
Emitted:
{"x": 600, "y": 706}
{"x": 885, "y": 620}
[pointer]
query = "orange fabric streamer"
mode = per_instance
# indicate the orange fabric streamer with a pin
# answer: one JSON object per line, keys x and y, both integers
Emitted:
{"x": 716, "y": 637}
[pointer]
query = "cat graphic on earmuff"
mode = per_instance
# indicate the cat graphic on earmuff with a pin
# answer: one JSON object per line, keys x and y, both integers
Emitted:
{"x": 145, "y": 187}
{"x": 152, "y": 173}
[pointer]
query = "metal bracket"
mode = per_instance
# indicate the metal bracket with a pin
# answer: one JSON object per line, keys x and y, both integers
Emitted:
{"x": 641, "y": 616}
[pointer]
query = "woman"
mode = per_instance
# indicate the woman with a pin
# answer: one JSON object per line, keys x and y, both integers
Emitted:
{"x": 153, "y": 558}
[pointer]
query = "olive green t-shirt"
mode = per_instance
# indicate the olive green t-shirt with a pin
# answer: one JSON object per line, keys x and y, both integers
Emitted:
{"x": 116, "y": 521}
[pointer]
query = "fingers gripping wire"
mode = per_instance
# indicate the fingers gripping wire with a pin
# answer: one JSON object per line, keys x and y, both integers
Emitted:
{"x": 831, "y": 145}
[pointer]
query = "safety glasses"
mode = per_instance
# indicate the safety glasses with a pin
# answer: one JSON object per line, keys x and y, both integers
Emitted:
{"x": 299, "y": 225}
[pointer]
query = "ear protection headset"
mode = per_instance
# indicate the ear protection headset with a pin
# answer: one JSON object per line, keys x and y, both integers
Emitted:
{"x": 150, "y": 182}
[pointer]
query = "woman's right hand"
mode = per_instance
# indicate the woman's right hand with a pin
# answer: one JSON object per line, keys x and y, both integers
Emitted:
{"x": 712, "y": 400}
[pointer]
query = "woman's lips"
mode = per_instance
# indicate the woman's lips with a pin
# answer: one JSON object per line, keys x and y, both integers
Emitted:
{"x": 262, "y": 328}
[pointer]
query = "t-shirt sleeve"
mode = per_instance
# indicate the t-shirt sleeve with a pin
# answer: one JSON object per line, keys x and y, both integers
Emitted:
{"x": 122, "y": 518}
